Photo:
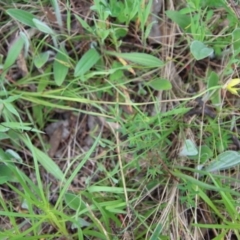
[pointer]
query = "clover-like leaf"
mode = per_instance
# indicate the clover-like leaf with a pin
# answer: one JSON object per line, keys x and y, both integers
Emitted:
{"x": 200, "y": 51}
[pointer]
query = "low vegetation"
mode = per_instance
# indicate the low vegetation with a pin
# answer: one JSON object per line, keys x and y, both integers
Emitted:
{"x": 119, "y": 119}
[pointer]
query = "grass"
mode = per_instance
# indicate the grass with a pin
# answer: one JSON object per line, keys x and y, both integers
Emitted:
{"x": 111, "y": 129}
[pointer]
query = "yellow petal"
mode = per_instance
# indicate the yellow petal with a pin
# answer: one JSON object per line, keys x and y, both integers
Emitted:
{"x": 233, "y": 82}
{"x": 233, "y": 90}
{"x": 230, "y": 86}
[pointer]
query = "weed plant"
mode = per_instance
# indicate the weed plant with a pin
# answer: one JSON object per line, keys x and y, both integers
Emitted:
{"x": 152, "y": 150}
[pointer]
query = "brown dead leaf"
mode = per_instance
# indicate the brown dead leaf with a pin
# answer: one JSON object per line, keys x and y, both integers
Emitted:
{"x": 57, "y": 131}
{"x": 50, "y": 15}
{"x": 21, "y": 63}
{"x": 55, "y": 141}
{"x": 127, "y": 108}
{"x": 110, "y": 125}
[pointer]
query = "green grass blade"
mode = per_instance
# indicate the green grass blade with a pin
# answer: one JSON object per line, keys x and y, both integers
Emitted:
{"x": 22, "y": 16}
{"x": 45, "y": 161}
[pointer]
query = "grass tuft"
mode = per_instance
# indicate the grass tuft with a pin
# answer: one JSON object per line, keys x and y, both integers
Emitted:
{"x": 119, "y": 120}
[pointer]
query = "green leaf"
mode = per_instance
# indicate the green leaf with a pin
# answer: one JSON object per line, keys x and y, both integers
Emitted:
{"x": 139, "y": 58}
{"x": 205, "y": 154}
{"x": 45, "y": 160}
{"x": 60, "y": 67}
{"x": 3, "y": 129}
{"x": 49, "y": 165}
{"x": 119, "y": 32}
{"x": 225, "y": 160}
{"x": 75, "y": 202}
{"x": 22, "y": 16}
{"x": 236, "y": 40}
{"x": 199, "y": 50}
{"x": 14, "y": 155}
{"x": 26, "y": 43}
{"x": 157, "y": 231}
{"x": 189, "y": 148}
{"x": 41, "y": 59}
{"x": 12, "y": 109}
{"x": 214, "y": 95}
{"x": 14, "y": 52}
{"x": 6, "y": 168}
{"x": 182, "y": 20}
{"x": 160, "y": 84}
{"x": 57, "y": 11}
{"x": 19, "y": 126}
{"x": 88, "y": 60}
{"x": 6, "y": 174}
{"x": 108, "y": 189}
{"x": 43, "y": 27}
{"x": 84, "y": 24}
{"x": 12, "y": 98}
{"x": 3, "y": 135}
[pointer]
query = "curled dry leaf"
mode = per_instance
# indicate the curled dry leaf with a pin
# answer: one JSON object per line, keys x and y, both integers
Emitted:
{"x": 124, "y": 63}
{"x": 127, "y": 108}
{"x": 111, "y": 125}
{"x": 21, "y": 63}
{"x": 55, "y": 141}
{"x": 57, "y": 131}
{"x": 51, "y": 18}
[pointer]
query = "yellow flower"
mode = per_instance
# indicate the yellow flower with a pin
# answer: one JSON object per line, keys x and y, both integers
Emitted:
{"x": 230, "y": 86}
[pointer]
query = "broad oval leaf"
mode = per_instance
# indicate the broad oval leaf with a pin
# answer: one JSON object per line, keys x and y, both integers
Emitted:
{"x": 88, "y": 60}
{"x": 236, "y": 40}
{"x": 215, "y": 95}
{"x": 6, "y": 174}
{"x": 22, "y": 16}
{"x": 41, "y": 59}
{"x": 200, "y": 51}
{"x": 74, "y": 202}
{"x": 14, "y": 52}
{"x": 43, "y": 27}
{"x": 225, "y": 160}
{"x": 189, "y": 148}
{"x": 143, "y": 59}
{"x": 160, "y": 84}
{"x": 182, "y": 20}
{"x": 60, "y": 67}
